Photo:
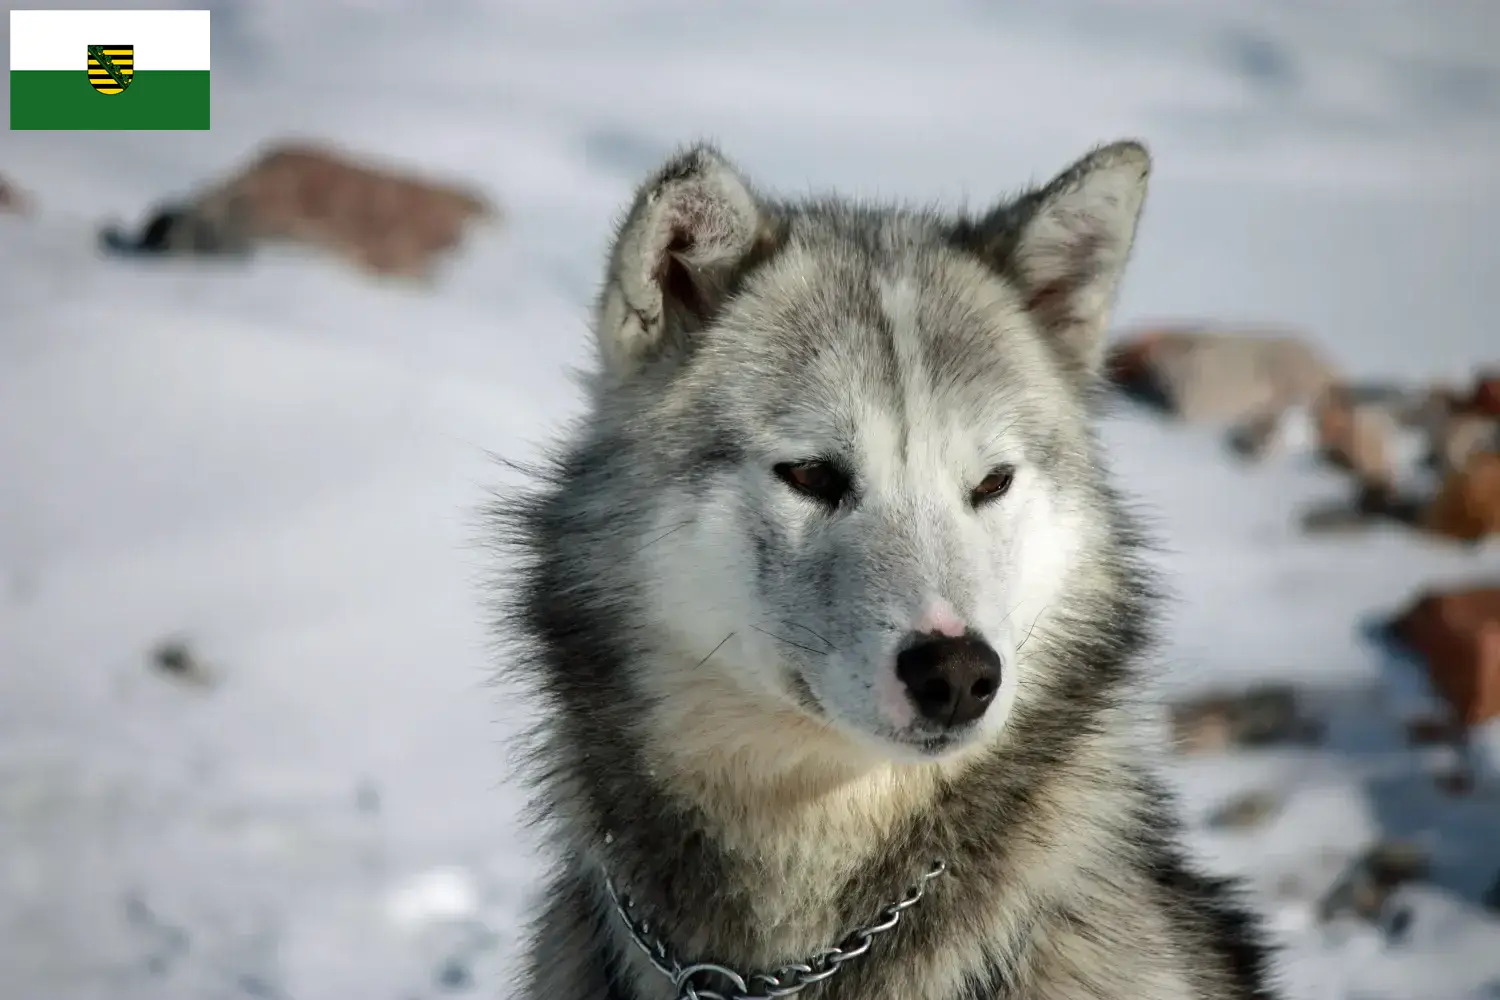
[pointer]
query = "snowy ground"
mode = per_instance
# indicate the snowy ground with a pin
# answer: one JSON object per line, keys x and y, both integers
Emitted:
{"x": 280, "y": 463}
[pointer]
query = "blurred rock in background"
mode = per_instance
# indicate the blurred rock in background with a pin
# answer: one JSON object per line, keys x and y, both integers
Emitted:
{"x": 382, "y": 221}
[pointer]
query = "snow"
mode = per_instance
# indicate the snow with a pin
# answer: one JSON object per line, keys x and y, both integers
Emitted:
{"x": 281, "y": 463}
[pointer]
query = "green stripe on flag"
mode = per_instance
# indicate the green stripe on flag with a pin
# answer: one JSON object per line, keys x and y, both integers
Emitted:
{"x": 63, "y": 99}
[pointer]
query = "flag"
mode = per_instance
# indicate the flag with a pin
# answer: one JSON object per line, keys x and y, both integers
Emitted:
{"x": 109, "y": 69}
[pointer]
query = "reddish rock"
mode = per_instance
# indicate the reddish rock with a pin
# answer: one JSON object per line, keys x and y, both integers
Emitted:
{"x": 1357, "y": 435}
{"x": 1129, "y": 362}
{"x": 1467, "y": 506}
{"x": 1457, "y": 634}
{"x": 1205, "y": 374}
{"x": 1486, "y": 398}
{"x": 1202, "y": 727}
{"x": 384, "y": 221}
{"x": 1462, "y": 436}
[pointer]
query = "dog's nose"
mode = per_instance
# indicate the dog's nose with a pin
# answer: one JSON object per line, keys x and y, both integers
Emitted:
{"x": 951, "y": 680}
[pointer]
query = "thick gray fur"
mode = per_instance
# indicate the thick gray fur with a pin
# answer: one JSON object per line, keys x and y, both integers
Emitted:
{"x": 722, "y": 732}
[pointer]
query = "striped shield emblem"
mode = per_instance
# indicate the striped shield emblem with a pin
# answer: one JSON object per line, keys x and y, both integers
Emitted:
{"x": 111, "y": 67}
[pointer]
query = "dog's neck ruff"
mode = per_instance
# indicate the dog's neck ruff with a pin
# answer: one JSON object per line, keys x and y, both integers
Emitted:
{"x": 697, "y": 980}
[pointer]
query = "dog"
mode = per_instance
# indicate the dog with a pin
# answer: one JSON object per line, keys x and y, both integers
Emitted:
{"x": 834, "y": 614}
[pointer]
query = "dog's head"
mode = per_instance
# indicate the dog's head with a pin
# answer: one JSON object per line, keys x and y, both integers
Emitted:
{"x": 852, "y": 448}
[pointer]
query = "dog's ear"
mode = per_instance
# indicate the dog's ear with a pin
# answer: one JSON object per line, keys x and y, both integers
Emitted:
{"x": 1065, "y": 245}
{"x": 693, "y": 227}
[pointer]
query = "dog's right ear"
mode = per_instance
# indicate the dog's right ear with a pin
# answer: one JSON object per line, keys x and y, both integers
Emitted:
{"x": 693, "y": 227}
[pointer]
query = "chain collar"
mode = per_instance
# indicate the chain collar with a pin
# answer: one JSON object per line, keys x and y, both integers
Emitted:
{"x": 694, "y": 981}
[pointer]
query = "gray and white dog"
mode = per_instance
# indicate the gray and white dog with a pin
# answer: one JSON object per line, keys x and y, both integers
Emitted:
{"x": 834, "y": 615}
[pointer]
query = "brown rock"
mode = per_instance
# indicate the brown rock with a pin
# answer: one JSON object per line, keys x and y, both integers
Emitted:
{"x": 1202, "y": 726}
{"x": 1333, "y": 417}
{"x": 1220, "y": 376}
{"x": 1457, "y": 634}
{"x": 384, "y": 221}
{"x": 1357, "y": 435}
{"x": 1467, "y": 506}
{"x": 391, "y": 223}
{"x": 12, "y": 200}
{"x": 1485, "y": 399}
{"x": 1129, "y": 362}
{"x": 1461, "y": 437}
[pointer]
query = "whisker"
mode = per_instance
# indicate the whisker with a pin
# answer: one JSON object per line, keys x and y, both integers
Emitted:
{"x": 1013, "y": 608}
{"x": 831, "y": 646}
{"x": 664, "y": 534}
{"x": 711, "y": 652}
{"x": 789, "y": 642}
{"x": 1033, "y": 628}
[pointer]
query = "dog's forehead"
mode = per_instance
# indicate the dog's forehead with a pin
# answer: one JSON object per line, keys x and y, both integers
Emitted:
{"x": 837, "y": 336}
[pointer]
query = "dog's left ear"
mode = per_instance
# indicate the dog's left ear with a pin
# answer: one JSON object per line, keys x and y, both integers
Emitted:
{"x": 1065, "y": 245}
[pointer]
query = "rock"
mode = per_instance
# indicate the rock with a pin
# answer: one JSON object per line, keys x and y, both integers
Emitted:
{"x": 1242, "y": 812}
{"x": 12, "y": 200}
{"x": 1392, "y": 438}
{"x": 1486, "y": 397}
{"x": 1355, "y": 436}
{"x": 1202, "y": 726}
{"x": 1467, "y": 506}
{"x": 1461, "y": 437}
{"x": 383, "y": 221}
{"x": 1370, "y": 505}
{"x": 1257, "y": 438}
{"x": 1457, "y": 634}
{"x": 1269, "y": 714}
{"x": 1260, "y": 716}
{"x": 1369, "y": 882}
{"x": 1220, "y": 376}
{"x": 1456, "y": 779}
{"x": 1433, "y": 730}
{"x": 175, "y": 659}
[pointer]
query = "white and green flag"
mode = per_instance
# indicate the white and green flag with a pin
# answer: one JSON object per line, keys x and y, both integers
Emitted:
{"x": 109, "y": 69}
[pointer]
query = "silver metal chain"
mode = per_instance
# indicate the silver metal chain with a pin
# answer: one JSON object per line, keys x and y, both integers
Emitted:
{"x": 711, "y": 981}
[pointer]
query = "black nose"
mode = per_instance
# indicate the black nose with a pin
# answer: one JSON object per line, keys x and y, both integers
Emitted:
{"x": 950, "y": 680}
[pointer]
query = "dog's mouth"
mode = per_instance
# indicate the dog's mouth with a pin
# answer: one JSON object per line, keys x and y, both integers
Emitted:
{"x": 935, "y": 744}
{"x": 919, "y": 741}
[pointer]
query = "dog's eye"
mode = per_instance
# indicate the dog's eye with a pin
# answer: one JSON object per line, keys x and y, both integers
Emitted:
{"x": 994, "y": 486}
{"x": 821, "y": 481}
